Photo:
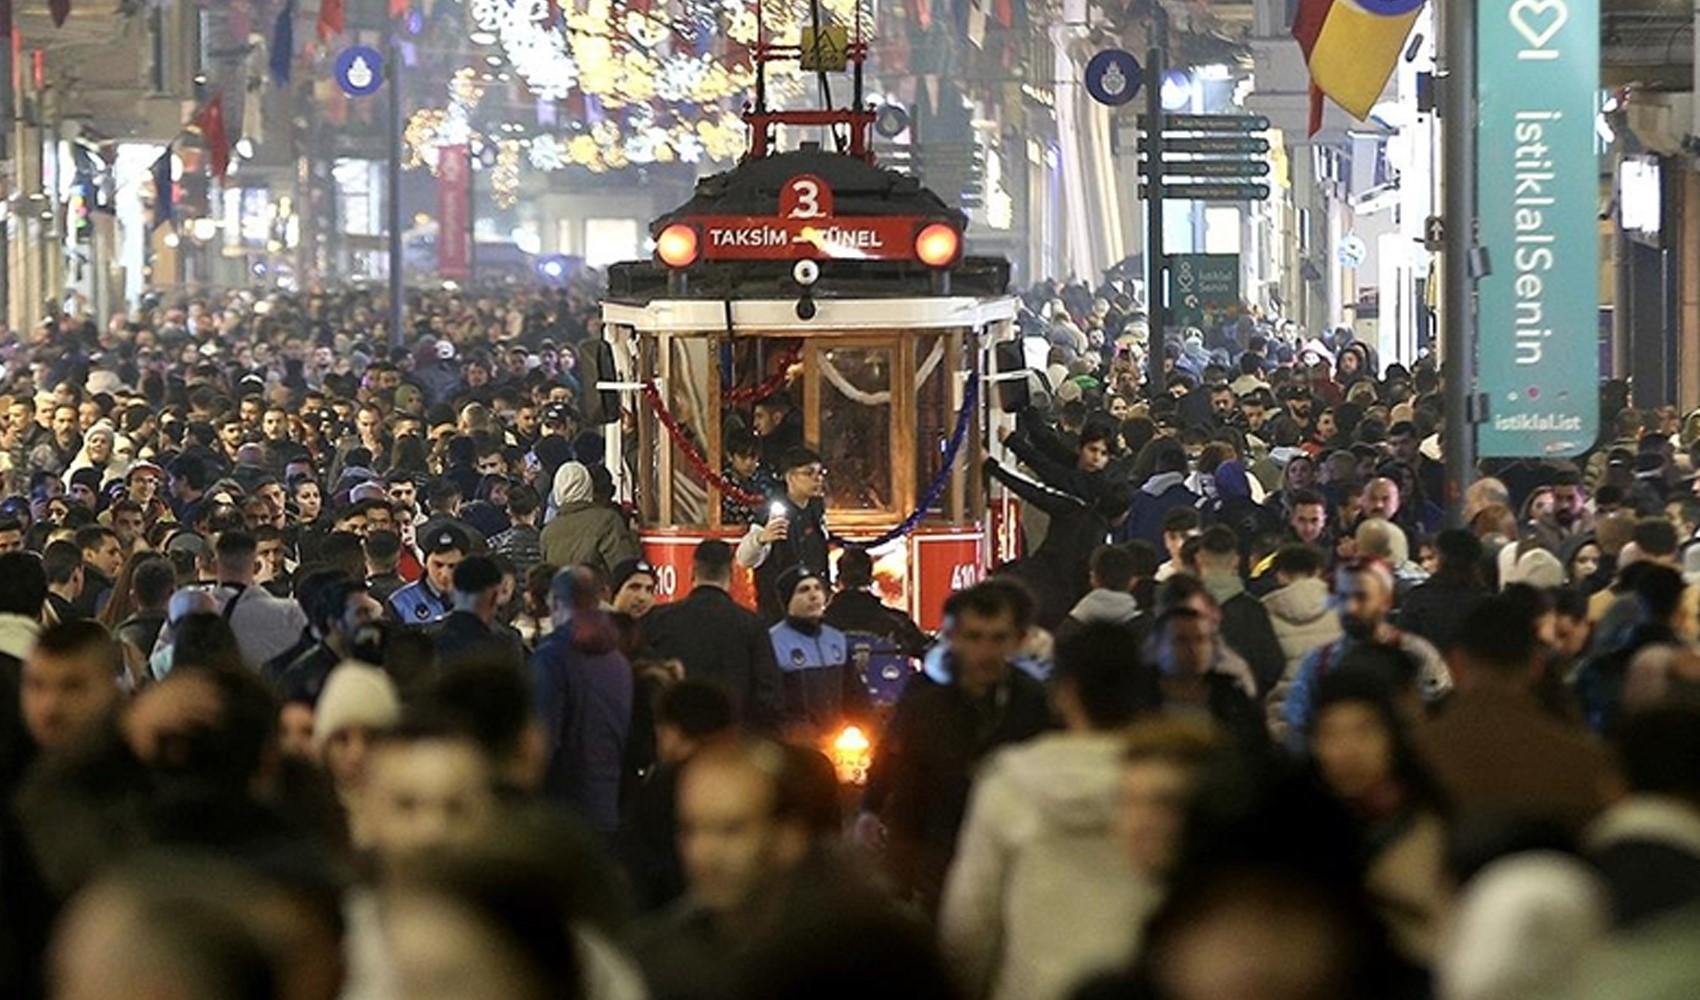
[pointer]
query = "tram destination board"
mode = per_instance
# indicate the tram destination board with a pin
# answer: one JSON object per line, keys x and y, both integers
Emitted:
{"x": 741, "y": 237}
{"x": 1219, "y": 191}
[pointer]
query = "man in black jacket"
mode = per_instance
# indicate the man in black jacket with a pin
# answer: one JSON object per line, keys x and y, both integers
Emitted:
{"x": 794, "y": 533}
{"x": 719, "y": 642}
{"x": 469, "y": 631}
{"x": 856, "y": 608}
{"x": 923, "y": 768}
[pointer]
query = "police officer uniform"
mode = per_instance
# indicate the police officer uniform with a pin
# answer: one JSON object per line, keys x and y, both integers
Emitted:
{"x": 418, "y": 604}
{"x": 820, "y": 684}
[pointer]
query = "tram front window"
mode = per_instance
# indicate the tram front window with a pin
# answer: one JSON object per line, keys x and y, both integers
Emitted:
{"x": 855, "y": 427}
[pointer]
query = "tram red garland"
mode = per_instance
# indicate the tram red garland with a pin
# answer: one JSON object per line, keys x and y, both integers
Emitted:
{"x": 766, "y": 387}
{"x": 935, "y": 490}
{"x": 693, "y": 457}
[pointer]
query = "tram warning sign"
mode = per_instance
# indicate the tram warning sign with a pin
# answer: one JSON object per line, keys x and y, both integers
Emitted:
{"x": 826, "y": 50}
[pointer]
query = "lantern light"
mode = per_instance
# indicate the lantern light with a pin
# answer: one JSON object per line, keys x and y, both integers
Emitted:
{"x": 938, "y": 244}
{"x": 678, "y": 245}
{"x": 852, "y": 754}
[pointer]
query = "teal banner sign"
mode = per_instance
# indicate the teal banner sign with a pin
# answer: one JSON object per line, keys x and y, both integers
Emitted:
{"x": 1204, "y": 289}
{"x": 1538, "y": 205}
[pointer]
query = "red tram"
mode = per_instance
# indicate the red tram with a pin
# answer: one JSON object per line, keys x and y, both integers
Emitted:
{"x": 816, "y": 273}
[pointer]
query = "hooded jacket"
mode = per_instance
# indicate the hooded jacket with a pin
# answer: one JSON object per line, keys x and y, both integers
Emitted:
{"x": 1039, "y": 896}
{"x": 582, "y": 531}
{"x": 1160, "y": 494}
{"x": 1302, "y": 619}
{"x": 1106, "y": 607}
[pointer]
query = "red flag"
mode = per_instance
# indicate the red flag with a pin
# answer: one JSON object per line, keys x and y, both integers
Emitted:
{"x": 331, "y": 20}
{"x": 210, "y": 121}
{"x": 399, "y": 8}
{"x": 60, "y": 9}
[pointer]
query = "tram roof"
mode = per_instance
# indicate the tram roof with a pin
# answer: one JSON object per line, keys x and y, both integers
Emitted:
{"x": 859, "y": 188}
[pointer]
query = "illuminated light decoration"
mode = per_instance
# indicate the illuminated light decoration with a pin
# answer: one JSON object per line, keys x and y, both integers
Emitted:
{"x": 504, "y": 176}
{"x": 546, "y": 153}
{"x": 537, "y": 49}
{"x": 678, "y": 245}
{"x": 938, "y": 244}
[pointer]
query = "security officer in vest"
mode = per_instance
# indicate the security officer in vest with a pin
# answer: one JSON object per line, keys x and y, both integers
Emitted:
{"x": 429, "y": 599}
{"x": 821, "y": 687}
{"x": 795, "y": 532}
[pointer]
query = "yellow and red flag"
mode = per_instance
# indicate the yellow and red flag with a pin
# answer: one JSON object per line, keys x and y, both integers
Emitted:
{"x": 1351, "y": 47}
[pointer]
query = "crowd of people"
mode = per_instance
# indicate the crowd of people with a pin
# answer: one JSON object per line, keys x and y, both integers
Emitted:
{"x": 331, "y": 670}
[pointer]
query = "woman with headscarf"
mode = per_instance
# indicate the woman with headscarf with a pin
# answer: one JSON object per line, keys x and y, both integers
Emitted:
{"x": 581, "y": 531}
{"x": 99, "y": 452}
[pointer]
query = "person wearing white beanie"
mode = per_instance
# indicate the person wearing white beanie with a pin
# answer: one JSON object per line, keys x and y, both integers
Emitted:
{"x": 1521, "y": 927}
{"x": 358, "y": 701}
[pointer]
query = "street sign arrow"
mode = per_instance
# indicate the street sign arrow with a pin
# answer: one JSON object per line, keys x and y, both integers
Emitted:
{"x": 1212, "y": 144}
{"x": 1434, "y": 234}
{"x": 1210, "y": 123}
{"x": 1211, "y": 192}
{"x": 1179, "y": 170}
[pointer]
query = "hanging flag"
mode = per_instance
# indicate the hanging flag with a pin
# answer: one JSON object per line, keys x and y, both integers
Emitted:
{"x": 164, "y": 196}
{"x": 331, "y": 20}
{"x": 210, "y": 121}
{"x": 60, "y": 9}
{"x": 1351, "y": 47}
{"x": 283, "y": 44}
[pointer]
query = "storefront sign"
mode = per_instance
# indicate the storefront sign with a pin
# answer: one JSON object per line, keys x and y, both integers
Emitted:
{"x": 1538, "y": 177}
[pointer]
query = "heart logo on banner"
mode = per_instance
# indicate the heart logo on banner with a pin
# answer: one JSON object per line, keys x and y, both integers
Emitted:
{"x": 1539, "y": 20}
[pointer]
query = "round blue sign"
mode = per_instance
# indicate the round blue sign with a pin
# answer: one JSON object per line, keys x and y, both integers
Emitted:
{"x": 360, "y": 70}
{"x": 1113, "y": 77}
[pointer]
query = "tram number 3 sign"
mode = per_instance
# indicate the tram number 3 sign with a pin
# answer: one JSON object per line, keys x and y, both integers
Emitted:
{"x": 805, "y": 197}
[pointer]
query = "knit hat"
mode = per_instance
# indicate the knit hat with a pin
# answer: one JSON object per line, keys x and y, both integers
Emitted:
{"x": 625, "y": 571}
{"x": 1520, "y": 925}
{"x": 792, "y": 578}
{"x": 355, "y": 694}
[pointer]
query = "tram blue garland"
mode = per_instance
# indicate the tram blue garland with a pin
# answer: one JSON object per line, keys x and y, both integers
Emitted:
{"x": 941, "y": 481}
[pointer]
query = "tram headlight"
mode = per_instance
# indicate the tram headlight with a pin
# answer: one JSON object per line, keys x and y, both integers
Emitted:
{"x": 938, "y": 244}
{"x": 805, "y": 272}
{"x": 678, "y": 245}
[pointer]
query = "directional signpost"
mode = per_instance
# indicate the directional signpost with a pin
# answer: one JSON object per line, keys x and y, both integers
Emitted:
{"x": 1209, "y": 157}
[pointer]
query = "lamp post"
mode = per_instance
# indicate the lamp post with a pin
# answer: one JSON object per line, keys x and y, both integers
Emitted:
{"x": 1458, "y": 306}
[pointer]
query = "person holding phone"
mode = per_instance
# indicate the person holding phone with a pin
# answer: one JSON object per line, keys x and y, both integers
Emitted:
{"x": 794, "y": 533}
